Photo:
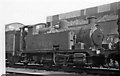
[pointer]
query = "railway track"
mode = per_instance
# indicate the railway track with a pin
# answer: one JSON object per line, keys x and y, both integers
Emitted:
{"x": 87, "y": 70}
{"x": 33, "y": 72}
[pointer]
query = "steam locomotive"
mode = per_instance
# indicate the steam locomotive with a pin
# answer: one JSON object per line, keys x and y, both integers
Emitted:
{"x": 55, "y": 47}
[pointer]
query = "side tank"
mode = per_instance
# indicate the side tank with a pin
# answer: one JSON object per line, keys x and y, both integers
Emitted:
{"x": 46, "y": 41}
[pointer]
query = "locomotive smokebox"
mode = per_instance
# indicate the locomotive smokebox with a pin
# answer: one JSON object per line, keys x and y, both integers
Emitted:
{"x": 90, "y": 39}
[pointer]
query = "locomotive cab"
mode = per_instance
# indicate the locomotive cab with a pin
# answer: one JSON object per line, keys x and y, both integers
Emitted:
{"x": 12, "y": 41}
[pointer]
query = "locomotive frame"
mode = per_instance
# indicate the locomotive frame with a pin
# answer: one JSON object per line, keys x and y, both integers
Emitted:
{"x": 26, "y": 47}
{"x": 54, "y": 55}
